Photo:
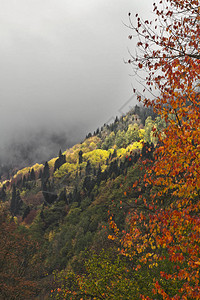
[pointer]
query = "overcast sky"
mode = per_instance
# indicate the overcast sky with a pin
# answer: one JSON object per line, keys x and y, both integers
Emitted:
{"x": 61, "y": 63}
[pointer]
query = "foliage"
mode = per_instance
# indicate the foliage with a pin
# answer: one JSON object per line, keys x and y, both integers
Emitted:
{"x": 64, "y": 169}
{"x": 19, "y": 268}
{"x": 96, "y": 156}
{"x": 160, "y": 242}
{"x": 64, "y": 205}
{"x": 107, "y": 276}
{"x": 120, "y": 139}
{"x": 164, "y": 232}
{"x": 132, "y": 134}
{"x": 24, "y": 171}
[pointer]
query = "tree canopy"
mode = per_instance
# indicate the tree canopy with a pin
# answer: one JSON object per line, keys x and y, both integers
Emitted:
{"x": 161, "y": 239}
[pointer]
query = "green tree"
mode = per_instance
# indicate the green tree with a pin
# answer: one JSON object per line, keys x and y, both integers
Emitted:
{"x": 80, "y": 157}
{"x": 120, "y": 139}
{"x": 46, "y": 173}
{"x": 16, "y": 202}
{"x": 109, "y": 141}
{"x": 32, "y": 174}
{"x": 108, "y": 276}
{"x": 132, "y": 134}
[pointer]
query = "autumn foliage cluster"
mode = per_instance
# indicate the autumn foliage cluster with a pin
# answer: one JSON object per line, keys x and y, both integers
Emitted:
{"x": 161, "y": 242}
{"x": 147, "y": 178}
{"x": 20, "y": 266}
{"x": 168, "y": 50}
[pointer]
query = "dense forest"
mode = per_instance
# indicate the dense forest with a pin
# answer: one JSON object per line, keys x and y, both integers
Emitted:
{"x": 117, "y": 216}
{"x": 63, "y": 206}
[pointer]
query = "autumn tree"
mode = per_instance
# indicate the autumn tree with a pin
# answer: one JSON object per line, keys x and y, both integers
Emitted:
{"x": 161, "y": 239}
{"x": 132, "y": 134}
{"x": 167, "y": 236}
{"x": 19, "y": 268}
{"x": 107, "y": 276}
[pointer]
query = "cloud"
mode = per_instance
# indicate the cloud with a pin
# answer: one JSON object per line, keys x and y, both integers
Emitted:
{"x": 62, "y": 64}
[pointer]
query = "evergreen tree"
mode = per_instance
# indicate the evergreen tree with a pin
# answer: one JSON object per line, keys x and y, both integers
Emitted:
{"x": 46, "y": 173}
{"x": 48, "y": 193}
{"x": 32, "y": 175}
{"x": 104, "y": 175}
{"x": 135, "y": 158}
{"x": 13, "y": 200}
{"x": 24, "y": 181}
{"x": 99, "y": 175}
{"x": 29, "y": 176}
{"x": 40, "y": 174}
{"x": 97, "y": 131}
{"x": 3, "y": 193}
{"x": 80, "y": 156}
{"x": 69, "y": 198}
{"x": 16, "y": 202}
{"x": 76, "y": 197}
{"x": 26, "y": 212}
{"x": 116, "y": 119}
{"x": 94, "y": 171}
{"x": 89, "y": 135}
{"x": 113, "y": 169}
{"x": 60, "y": 161}
{"x": 121, "y": 167}
{"x": 87, "y": 183}
{"x": 62, "y": 196}
{"x": 19, "y": 183}
{"x": 88, "y": 168}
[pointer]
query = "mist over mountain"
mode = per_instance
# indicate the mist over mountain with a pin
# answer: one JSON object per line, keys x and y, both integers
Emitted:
{"x": 62, "y": 73}
{"x": 34, "y": 146}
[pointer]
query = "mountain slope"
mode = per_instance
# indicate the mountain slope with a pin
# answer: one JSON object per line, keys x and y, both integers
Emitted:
{"x": 64, "y": 204}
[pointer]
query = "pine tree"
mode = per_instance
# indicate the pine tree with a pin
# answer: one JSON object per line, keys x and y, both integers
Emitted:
{"x": 62, "y": 196}
{"x": 99, "y": 175}
{"x": 80, "y": 155}
{"x": 32, "y": 174}
{"x": 16, "y": 202}
{"x": 40, "y": 174}
{"x": 88, "y": 168}
{"x": 26, "y": 212}
{"x": 3, "y": 193}
{"x": 60, "y": 161}
{"x": 46, "y": 173}
{"x": 13, "y": 200}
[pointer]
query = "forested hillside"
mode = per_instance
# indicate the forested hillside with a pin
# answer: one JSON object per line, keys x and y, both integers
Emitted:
{"x": 117, "y": 216}
{"x": 64, "y": 204}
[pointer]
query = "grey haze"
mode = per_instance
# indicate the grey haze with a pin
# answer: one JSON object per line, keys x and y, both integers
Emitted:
{"x": 61, "y": 69}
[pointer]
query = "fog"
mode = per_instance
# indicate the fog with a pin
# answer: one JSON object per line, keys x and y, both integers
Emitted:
{"x": 62, "y": 72}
